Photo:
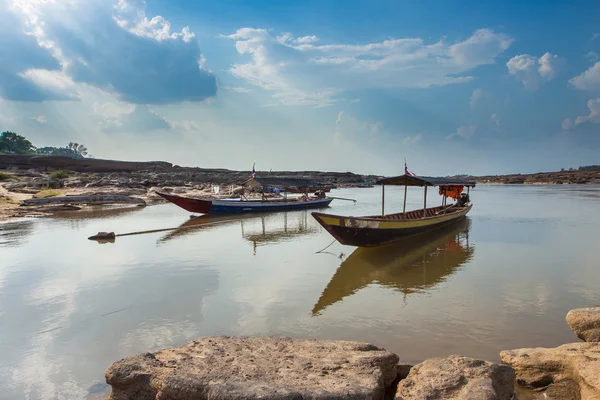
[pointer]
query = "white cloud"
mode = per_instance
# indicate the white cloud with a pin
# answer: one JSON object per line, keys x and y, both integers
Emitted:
{"x": 186, "y": 125}
{"x": 53, "y": 81}
{"x": 533, "y": 71}
{"x": 589, "y": 79}
{"x": 348, "y": 127}
{"x": 550, "y": 64}
{"x": 307, "y": 39}
{"x": 479, "y": 95}
{"x": 594, "y": 115}
{"x": 108, "y": 47}
{"x": 496, "y": 119}
{"x": 464, "y": 131}
{"x": 299, "y": 72}
{"x": 412, "y": 140}
{"x": 40, "y": 119}
{"x": 567, "y": 124}
{"x": 132, "y": 17}
{"x": 124, "y": 117}
{"x": 592, "y": 56}
{"x": 240, "y": 90}
{"x": 595, "y": 36}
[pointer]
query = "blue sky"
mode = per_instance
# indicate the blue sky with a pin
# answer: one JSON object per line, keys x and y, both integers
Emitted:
{"x": 454, "y": 87}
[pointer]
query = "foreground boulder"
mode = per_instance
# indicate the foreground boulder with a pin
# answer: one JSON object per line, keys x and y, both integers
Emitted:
{"x": 585, "y": 322}
{"x": 561, "y": 366}
{"x": 256, "y": 368}
{"x": 457, "y": 377}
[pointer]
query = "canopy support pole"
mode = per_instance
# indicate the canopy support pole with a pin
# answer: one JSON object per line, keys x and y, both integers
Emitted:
{"x": 404, "y": 208}
{"x": 425, "y": 203}
{"x": 382, "y": 200}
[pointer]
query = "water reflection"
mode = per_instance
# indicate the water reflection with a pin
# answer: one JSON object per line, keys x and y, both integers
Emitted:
{"x": 411, "y": 265}
{"x": 13, "y": 234}
{"x": 259, "y": 229}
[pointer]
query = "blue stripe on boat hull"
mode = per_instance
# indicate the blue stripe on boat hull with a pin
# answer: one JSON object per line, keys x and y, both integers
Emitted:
{"x": 242, "y": 206}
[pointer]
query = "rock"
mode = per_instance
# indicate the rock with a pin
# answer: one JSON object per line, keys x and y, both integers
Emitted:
{"x": 103, "y": 237}
{"x": 256, "y": 368}
{"x": 585, "y": 322}
{"x": 45, "y": 183}
{"x": 15, "y": 185}
{"x": 402, "y": 370}
{"x": 565, "y": 390}
{"x": 540, "y": 367}
{"x": 457, "y": 377}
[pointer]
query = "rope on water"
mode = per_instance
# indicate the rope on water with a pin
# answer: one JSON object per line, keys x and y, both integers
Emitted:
{"x": 329, "y": 245}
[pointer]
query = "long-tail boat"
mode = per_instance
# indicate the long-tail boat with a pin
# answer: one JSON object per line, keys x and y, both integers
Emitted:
{"x": 374, "y": 230}
{"x": 243, "y": 205}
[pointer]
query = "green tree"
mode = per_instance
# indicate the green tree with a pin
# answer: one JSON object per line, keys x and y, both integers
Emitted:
{"x": 73, "y": 150}
{"x": 77, "y": 149}
{"x": 11, "y": 143}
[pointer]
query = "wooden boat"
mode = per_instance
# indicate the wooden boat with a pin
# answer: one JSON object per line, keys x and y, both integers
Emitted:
{"x": 243, "y": 205}
{"x": 409, "y": 266}
{"x": 212, "y": 206}
{"x": 375, "y": 230}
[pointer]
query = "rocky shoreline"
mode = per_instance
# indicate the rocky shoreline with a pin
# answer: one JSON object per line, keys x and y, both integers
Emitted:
{"x": 283, "y": 368}
{"x": 19, "y": 184}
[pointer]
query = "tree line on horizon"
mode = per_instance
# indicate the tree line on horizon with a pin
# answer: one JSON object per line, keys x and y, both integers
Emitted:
{"x": 13, "y": 143}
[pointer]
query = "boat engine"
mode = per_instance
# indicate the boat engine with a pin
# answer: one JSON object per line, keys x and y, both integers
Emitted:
{"x": 463, "y": 200}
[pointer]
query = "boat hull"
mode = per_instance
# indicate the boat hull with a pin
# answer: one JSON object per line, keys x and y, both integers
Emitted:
{"x": 201, "y": 206}
{"x": 375, "y": 231}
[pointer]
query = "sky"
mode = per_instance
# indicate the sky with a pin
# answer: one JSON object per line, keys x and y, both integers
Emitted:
{"x": 453, "y": 87}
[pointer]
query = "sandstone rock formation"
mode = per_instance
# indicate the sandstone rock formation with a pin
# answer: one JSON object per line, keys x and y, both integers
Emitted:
{"x": 253, "y": 368}
{"x": 457, "y": 377}
{"x": 575, "y": 362}
{"x": 585, "y": 322}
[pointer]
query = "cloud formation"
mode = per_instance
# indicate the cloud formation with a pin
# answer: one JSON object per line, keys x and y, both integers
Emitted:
{"x": 594, "y": 115}
{"x": 300, "y": 72}
{"x": 18, "y": 54}
{"x": 533, "y": 71}
{"x": 115, "y": 48}
{"x": 123, "y": 117}
{"x": 589, "y": 80}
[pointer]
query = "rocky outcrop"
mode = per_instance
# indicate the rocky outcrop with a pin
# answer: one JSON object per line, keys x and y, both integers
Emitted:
{"x": 577, "y": 363}
{"x": 585, "y": 322}
{"x": 457, "y": 377}
{"x": 256, "y": 368}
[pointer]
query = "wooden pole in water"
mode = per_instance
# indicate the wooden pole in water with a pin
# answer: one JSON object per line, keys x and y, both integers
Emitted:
{"x": 425, "y": 203}
{"x": 405, "y": 190}
{"x": 382, "y": 199}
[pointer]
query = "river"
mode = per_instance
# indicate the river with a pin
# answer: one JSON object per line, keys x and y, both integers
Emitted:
{"x": 503, "y": 279}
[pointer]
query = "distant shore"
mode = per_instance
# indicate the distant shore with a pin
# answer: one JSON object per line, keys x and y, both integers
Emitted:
{"x": 24, "y": 177}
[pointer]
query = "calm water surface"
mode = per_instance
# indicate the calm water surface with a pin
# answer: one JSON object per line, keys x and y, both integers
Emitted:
{"x": 504, "y": 279}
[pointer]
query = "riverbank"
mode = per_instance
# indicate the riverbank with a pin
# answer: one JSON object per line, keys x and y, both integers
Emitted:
{"x": 24, "y": 176}
{"x": 284, "y": 368}
{"x": 578, "y": 177}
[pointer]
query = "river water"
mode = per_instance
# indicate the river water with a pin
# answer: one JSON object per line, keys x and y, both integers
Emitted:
{"x": 503, "y": 279}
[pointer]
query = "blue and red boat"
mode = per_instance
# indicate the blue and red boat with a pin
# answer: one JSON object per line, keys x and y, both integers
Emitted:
{"x": 243, "y": 205}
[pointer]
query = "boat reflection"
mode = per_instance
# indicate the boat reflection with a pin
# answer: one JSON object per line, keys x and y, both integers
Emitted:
{"x": 273, "y": 230}
{"x": 259, "y": 228}
{"x": 411, "y": 265}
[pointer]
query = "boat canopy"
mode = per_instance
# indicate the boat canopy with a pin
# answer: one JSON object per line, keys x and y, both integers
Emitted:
{"x": 409, "y": 180}
{"x": 282, "y": 182}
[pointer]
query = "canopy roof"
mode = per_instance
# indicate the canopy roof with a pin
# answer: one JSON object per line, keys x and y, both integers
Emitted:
{"x": 409, "y": 180}
{"x": 282, "y": 182}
